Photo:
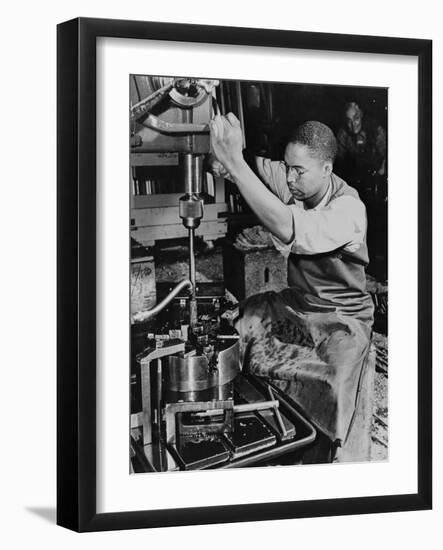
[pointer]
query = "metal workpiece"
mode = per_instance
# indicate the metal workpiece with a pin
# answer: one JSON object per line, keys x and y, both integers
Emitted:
{"x": 195, "y": 373}
{"x": 216, "y": 393}
{"x": 172, "y": 410}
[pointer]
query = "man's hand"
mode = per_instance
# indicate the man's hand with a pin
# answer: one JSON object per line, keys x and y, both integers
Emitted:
{"x": 227, "y": 140}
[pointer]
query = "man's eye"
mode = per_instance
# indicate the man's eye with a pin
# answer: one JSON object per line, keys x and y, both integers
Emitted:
{"x": 293, "y": 169}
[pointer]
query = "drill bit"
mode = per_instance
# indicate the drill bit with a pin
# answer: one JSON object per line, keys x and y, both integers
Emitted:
{"x": 193, "y": 298}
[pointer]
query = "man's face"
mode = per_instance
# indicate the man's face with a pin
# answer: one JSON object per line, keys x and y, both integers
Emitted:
{"x": 307, "y": 176}
{"x": 353, "y": 119}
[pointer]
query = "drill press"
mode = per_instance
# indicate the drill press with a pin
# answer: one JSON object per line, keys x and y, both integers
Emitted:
{"x": 194, "y": 373}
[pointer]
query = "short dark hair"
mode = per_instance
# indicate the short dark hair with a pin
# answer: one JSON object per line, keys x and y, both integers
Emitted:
{"x": 318, "y": 137}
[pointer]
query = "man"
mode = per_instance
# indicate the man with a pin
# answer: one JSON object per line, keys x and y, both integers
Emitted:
{"x": 316, "y": 219}
{"x": 361, "y": 161}
{"x": 313, "y": 338}
{"x": 362, "y": 152}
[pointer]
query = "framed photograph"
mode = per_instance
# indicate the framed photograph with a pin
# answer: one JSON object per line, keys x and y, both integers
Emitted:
{"x": 244, "y": 274}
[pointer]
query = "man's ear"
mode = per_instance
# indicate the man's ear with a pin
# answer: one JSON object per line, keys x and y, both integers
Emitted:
{"x": 327, "y": 168}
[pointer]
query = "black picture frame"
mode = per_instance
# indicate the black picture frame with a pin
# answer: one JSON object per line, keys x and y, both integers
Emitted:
{"x": 76, "y": 265}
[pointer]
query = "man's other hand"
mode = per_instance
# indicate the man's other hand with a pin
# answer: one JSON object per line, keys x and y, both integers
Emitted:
{"x": 217, "y": 168}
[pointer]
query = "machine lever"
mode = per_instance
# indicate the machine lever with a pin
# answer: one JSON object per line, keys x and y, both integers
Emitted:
{"x": 152, "y": 121}
{"x": 277, "y": 414}
{"x": 243, "y": 408}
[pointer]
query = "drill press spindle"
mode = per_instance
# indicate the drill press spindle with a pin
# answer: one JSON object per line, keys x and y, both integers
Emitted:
{"x": 191, "y": 212}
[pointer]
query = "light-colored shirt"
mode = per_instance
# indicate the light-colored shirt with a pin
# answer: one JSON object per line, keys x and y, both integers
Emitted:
{"x": 338, "y": 221}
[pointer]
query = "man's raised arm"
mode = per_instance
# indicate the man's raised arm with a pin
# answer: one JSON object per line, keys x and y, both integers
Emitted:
{"x": 227, "y": 144}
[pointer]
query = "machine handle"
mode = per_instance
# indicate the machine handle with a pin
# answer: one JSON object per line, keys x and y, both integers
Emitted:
{"x": 152, "y": 121}
{"x": 243, "y": 408}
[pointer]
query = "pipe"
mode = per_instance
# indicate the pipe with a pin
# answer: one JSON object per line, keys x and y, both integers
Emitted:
{"x": 145, "y": 315}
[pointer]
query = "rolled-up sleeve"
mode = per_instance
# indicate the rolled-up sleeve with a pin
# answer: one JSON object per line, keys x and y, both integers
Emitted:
{"x": 273, "y": 174}
{"x": 342, "y": 223}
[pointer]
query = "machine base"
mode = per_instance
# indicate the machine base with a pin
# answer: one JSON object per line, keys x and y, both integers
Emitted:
{"x": 256, "y": 437}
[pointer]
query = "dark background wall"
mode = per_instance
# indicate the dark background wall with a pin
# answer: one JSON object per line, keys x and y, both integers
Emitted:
{"x": 281, "y": 107}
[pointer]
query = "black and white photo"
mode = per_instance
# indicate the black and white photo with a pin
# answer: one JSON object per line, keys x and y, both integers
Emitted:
{"x": 258, "y": 276}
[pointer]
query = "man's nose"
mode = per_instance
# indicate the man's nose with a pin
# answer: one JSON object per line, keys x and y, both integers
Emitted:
{"x": 292, "y": 177}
